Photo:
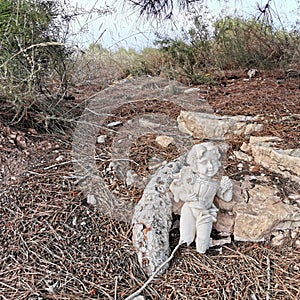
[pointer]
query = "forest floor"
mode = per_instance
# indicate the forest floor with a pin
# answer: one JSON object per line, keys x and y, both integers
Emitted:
{"x": 54, "y": 245}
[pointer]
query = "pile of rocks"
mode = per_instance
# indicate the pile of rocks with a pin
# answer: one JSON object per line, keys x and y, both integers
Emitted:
{"x": 256, "y": 213}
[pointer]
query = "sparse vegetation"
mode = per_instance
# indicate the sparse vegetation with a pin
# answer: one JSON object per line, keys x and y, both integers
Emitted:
{"x": 33, "y": 60}
{"x": 36, "y": 68}
{"x": 54, "y": 243}
{"x": 202, "y": 51}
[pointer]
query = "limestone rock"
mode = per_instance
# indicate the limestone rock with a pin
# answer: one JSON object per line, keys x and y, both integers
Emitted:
{"x": 209, "y": 126}
{"x": 254, "y": 214}
{"x": 164, "y": 140}
{"x": 91, "y": 199}
{"x": 191, "y": 90}
{"x": 225, "y": 222}
{"x": 252, "y": 73}
{"x": 152, "y": 219}
{"x": 265, "y": 153}
{"x": 101, "y": 139}
{"x": 262, "y": 213}
{"x": 114, "y": 124}
{"x": 242, "y": 156}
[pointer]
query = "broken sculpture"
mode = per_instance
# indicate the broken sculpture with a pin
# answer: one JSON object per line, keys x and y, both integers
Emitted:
{"x": 196, "y": 187}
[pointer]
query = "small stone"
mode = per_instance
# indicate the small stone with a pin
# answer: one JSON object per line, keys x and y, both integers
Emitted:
{"x": 242, "y": 156}
{"x": 294, "y": 197}
{"x": 254, "y": 168}
{"x": 101, "y": 139}
{"x": 191, "y": 90}
{"x": 164, "y": 140}
{"x": 295, "y": 233}
{"x": 91, "y": 199}
{"x": 221, "y": 242}
{"x": 114, "y": 124}
{"x": 245, "y": 147}
{"x": 32, "y": 131}
{"x": 252, "y": 73}
{"x": 139, "y": 298}
{"x": 296, "y": 268}
{"x": 278, "y": 239}
{"x": 59, "y": 158}
{"x": 251, "y": 128}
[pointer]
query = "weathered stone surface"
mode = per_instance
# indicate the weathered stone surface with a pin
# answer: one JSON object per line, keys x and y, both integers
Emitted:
{"x": 242, "y": 156}
{"x": 265, "y": 153}
{"x": 101, "y": 139}
{"x": 225, "y": 222}
{"x": 191, "y": 90}
{"x": 152, "y": 218}
{"x": 261, "y": 213}
{"x": 164, "y": 140}
{"x": 209, "y": 126}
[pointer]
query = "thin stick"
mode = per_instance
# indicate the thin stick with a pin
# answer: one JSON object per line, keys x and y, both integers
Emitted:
{"x": 268, "y": 278}
{"x": 136, "y": 293}
{"x": 116, "y": 287}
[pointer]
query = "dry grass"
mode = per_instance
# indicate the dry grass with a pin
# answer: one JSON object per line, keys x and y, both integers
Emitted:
{"x": 54, "y": 246}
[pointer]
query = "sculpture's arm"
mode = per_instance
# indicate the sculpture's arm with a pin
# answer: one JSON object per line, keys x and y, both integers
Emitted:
{"x": 225, "y": 191}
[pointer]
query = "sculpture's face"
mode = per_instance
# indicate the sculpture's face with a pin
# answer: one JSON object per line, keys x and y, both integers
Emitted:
{"x": 208, "y": 164}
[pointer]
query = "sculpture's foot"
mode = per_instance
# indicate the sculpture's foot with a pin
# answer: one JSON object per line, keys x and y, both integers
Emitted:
{"x": 202, "y": 245}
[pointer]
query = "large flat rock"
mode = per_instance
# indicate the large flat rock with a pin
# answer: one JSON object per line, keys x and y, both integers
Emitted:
{"x": 266, "y": 153}
{"x": 210, "y": 126}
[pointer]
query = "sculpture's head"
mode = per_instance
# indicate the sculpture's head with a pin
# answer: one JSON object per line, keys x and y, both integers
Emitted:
{"x": 204, "y": 159}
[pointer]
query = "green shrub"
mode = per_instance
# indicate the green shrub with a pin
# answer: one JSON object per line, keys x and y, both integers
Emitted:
{"x": 250, "y": 43}
{"x": 33, "y": 58}
{"x": 232, "y": 43}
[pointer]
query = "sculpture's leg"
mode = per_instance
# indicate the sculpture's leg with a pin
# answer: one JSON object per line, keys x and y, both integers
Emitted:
{"x": 204, "y": 227}
{"x": 187, "y": 224}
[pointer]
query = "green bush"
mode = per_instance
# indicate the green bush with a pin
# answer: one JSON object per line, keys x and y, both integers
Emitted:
{"x": 33, "y": 58}
{"x": 232, "y": 43}
{"x": 183, "y": 61}
{"x": 251, "y": 43}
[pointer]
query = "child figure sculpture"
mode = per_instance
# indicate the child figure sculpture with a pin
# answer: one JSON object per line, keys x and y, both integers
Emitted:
{"x": 195, "y": 186}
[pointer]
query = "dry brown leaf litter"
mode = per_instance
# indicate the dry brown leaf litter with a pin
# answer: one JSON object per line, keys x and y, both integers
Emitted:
{"x": 55, "y": 246}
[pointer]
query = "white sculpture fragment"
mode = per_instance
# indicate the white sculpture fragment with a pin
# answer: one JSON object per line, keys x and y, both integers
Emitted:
{"x": 195, "y": 186}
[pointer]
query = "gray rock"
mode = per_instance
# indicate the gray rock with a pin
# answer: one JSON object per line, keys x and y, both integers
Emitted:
{"x": 242, "y": 156}
{"x": 152, "y": 219}
{"x": 114, "y": 124}
{"x": 191, "y": 90}
{"x": 266, "y": 153}
{"x": 209, "y": 126}
{"x": 260, "y": 213}
{"x": 164, "y": 140}
{"x": 101, "y": 139}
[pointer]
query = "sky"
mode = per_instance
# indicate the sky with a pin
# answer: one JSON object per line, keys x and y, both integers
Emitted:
{"x": 124, "y": 28}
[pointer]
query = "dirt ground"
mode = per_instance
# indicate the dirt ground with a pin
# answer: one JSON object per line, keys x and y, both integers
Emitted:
{"x": 54, "y": 245}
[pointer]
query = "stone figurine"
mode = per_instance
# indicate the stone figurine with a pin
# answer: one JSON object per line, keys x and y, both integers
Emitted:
{"x": 196, "y": 187}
